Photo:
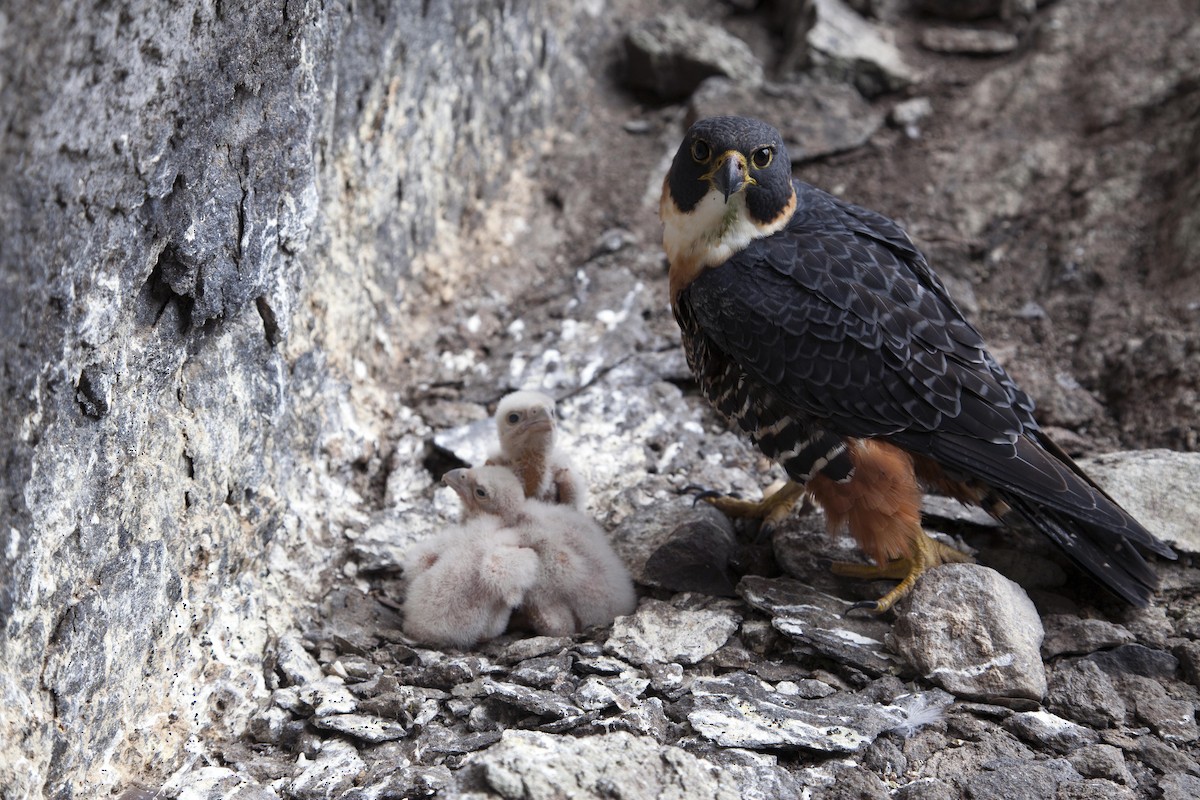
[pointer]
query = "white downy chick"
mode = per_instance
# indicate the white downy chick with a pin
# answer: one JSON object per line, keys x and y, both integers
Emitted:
{"x": 589, "y": 576}
{"x": 527, "y": 427}
{"x": 465, "y": 582}
{"x": 580, "y": 582}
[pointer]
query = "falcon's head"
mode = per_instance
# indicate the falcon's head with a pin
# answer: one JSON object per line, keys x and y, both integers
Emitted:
{"x": 730, "y": 183}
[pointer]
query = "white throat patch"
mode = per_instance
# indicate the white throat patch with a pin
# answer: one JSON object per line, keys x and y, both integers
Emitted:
{"x": 711, "y": 232}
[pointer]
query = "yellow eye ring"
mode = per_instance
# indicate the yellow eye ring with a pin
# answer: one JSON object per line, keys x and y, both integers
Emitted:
{"x": 701, "y": 152}
{"x": 761, "y": 158}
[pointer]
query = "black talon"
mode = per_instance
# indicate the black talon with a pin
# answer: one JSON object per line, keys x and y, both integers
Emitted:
{"x": 764, "y": 532}
{"x": 704, "y": 494}
{"x": 869, "y": 605}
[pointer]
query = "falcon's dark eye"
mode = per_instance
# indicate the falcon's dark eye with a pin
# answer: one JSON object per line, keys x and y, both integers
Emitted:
{"x": 514, "y": 418}
{"x": 701, "y": 151}
{"x": 761, "y": 158}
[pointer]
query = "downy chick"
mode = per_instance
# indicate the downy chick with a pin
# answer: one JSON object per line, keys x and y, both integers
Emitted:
{"x": 465, "y": 582}
{"x": 580, "y": 582}
{"x": 527, "y": 427}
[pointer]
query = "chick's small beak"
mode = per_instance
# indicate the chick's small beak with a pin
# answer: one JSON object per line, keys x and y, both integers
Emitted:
{"x": 538, "y": 422}
{"x": 730, "y": 175}
{"x": 455, "y": 479}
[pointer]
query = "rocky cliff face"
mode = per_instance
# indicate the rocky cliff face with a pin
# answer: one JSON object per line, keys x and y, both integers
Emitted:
{"x": 210, "y": 215}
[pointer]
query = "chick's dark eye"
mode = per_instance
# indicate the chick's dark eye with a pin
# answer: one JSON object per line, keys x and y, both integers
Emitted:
{"x": 481, "y": 492}
{"x": 701, "y": 151}
{"x": 761, "y": 158}
{"x": 514, "y": 418}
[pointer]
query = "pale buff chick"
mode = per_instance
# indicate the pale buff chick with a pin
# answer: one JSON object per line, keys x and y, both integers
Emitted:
{"x": 527, "y": 427}
{"x": 464, "y": 583}
{"x": 581, "y": 582}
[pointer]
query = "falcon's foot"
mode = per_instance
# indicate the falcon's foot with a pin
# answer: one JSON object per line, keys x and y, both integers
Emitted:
{"x": 927, "y": 554}
{"x": 771, "y": 510}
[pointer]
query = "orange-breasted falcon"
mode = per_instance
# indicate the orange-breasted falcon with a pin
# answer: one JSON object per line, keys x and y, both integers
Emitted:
{"x": 819, "y": 329}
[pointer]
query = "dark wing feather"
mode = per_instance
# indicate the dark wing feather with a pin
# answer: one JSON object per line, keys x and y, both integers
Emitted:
{"x": 841, "y": 318}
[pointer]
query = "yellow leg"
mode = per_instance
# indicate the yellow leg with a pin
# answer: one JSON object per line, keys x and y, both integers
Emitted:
{"x": 772, "y": 509}
{"x": 927, "y": 554}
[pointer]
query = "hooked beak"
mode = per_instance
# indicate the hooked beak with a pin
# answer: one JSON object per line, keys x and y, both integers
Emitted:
{"x": 456, "y": 479}
{"x": 730, "y": 175}
{"x": 538, "y": 422}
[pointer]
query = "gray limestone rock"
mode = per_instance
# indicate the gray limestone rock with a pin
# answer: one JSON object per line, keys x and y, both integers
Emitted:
{"x": 818, "y": 118}
{"x": 1163, "y": 757}
{"x": 741, "y": 711}
{"x": 333, "y": 771}
{"x": 1071, "y": 635}
{"x": 294, "y": 662}
{"x": 361, "y": 727}
{"x": 1041, "y": 728}
{"x": 215, "y": 783}
{"x": 819, "y": 622}
{"x": 670, "y": 54}
{"x": 850, "y": 783}
{"x": 545, "y": 672}
{"x": 660, "y": 633}
{"x": 1158, "y": 485}
{"x": 535, "y": 701}
{"x": 1008, "y": 778}
{"x": 526, "y": 765}
{"x": 413, "y": 782}
{"x": 1081, "y": 691}
{"x": 846, "y": 45}
{"x": 908, "y": 116}
{"x": 691, "y": 552}
{"x": 1094, "y": 789}
{"x": 1173, "y": 719}
{"x": 1188, "y": 654}
{"x": 973, "y": 632}
{"x": 1179, "y": 786}
{"x": 1101, "y": 761}
{"x": 1136, "y": 659}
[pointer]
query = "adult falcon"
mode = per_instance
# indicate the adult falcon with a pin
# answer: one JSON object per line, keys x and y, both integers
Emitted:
{"x": 819, "y": 329}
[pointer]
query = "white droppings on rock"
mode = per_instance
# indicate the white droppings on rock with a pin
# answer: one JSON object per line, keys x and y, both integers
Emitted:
{"x": 972, "y": 670}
